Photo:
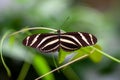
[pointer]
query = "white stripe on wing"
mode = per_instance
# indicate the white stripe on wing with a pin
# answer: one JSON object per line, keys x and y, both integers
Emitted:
{"x": 44, "y": 39}
{"x": 67, "y": 41}
{"x": 72, "y": 36}
{"x": 35, "y": 39}
{"x": 91, "y": 38}
{"x": 27, "y": 40}
{"x": 50, "y": 43}
{"x": 68, "y": 48}
{"x": 84, "y": 38}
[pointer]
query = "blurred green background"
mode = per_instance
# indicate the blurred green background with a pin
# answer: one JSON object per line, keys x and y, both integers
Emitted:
{"x": 98, "y": 17}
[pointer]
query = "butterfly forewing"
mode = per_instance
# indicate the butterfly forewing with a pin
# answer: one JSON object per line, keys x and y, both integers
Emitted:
{"x": 43, "y": 42}
{"x": 74, "y": 40}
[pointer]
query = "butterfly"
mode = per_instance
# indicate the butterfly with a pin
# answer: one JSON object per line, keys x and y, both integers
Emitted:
{"x": 50, "y": 42}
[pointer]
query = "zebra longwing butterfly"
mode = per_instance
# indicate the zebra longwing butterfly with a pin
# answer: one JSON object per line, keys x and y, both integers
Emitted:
{"x": 49, "y": 42}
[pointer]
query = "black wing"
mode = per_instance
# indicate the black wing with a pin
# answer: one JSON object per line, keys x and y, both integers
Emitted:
{"x": 44, "y": 42}
{"x": 74, "y": 40}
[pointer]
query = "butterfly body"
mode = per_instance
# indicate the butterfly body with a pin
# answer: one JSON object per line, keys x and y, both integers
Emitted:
{"x": 49, "y": 42}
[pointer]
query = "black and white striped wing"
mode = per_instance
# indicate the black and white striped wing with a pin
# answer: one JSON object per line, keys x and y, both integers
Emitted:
{"x": 74, "y": 40}
{"x": 44, "y": 42}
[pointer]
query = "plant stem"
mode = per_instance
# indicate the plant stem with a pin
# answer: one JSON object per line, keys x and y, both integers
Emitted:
{"x": 54, "y": 60}
{"x": 1, "y": 51}
{"x": 24, "y": 71}
{"x": 105, "y": 54}
{"x": 26, "y": 29}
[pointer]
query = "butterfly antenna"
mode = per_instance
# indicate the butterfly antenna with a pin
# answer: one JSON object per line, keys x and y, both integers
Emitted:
{"x": 64, "y": 22}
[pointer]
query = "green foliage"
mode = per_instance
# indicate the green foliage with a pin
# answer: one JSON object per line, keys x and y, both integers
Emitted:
{"x": 62, "y": 55}
{"x": 24, "y": 71}
{"x": 40, "y": 64}
{"x": 12, "y": 40}
{"x": 85, "y": 16}
{"x": 96, "y": 56}
{"x": 1, "y": 52}
{"x": 42, "y": 67}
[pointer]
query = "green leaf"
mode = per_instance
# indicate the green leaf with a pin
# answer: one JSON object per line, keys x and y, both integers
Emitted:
{"x": 42, "y": 67}
{"x": 11, "y": 40}
{"x": 79, "y": 54}
{"x": 62, "y": 56}
{"x": 24, "y": 71}
{"x": 105, "y": 54}
{"x": 96, "y": 56}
